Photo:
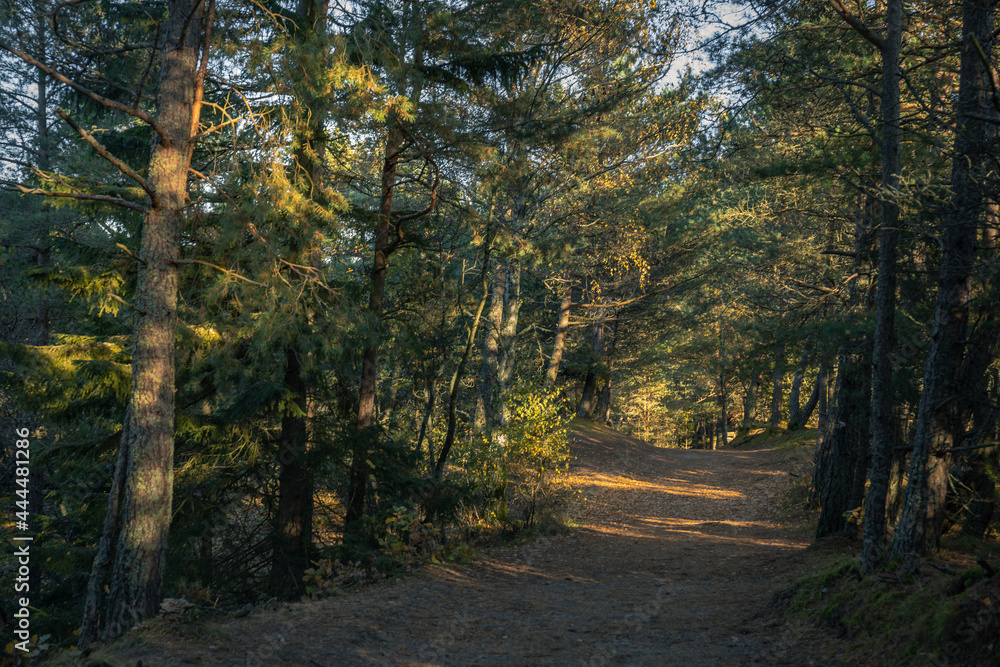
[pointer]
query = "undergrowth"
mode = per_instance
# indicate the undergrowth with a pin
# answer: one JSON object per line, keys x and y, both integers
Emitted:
{"x": 932, "y": 613}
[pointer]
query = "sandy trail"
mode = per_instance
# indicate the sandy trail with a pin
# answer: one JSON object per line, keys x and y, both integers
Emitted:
{"x": 673, "y": 563}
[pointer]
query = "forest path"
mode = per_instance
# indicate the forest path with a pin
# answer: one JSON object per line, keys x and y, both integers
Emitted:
{"x": 674, "y": 562}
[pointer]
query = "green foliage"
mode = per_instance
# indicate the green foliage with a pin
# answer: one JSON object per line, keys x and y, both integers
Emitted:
{"x": 521, "y": 465}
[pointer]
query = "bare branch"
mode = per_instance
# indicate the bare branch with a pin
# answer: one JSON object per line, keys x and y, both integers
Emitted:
{"x": 132, "y": 111}
{"x": 124, "y": 249}
{"x": 199, "y": 88}
{"x": 219, "y": 268}
{"x": 104, "y": 153}
{"x": 18, "y": 187}
{"x": 419, "y": 214}
{"x": 858, "y": 25}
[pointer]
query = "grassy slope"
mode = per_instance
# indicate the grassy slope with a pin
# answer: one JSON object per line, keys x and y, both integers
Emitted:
{"x": 945, "y": 611}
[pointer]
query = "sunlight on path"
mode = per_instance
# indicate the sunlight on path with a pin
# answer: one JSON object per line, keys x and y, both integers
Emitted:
{"x": 672, "y": 564}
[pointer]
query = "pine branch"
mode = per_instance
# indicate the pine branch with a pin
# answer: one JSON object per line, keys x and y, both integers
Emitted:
{"x": 100, "y": 99}
{"x": 858, "y": 25}
{"x": 11, "y": 186}
{"x": 124, "y": 249}
{"x": 106, "y": 154}
{"x": 219, "y": 268}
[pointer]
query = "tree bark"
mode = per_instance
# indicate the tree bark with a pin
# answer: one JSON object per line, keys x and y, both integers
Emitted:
{"x": 723, "y": 399}
{"x": 292, "y": 544}
{"x": 141, "y": 545}
{"x": 822, "y": 441}
{"x": 456, "y": 378}
{"x": 794, "y": 408}
{"x": 805, "y": 414}
{"x": 428, "y": 415}
{"x": 848, "y": 442}
{"x": 491, "y": 349}
{"x": 779, "y": 374}
{"x": 104, "y": 559}
{"x": 604, "y": 398}
{"x": 291, "y": 548}
{"x": 559, "y": 344}
{"x": 882, "y": 425}
{"x": 586, "y": 407}
{"x": 846, "y": 446}
{"x": 750, "y": 401}
{"x": 941, "y": 414}
{"x": 508, "y": 340}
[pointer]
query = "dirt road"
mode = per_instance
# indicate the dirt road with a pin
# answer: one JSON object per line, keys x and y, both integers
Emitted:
{"x": 673, "y": 564}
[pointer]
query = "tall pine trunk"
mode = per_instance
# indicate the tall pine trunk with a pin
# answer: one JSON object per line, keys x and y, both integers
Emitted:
{"x": 562, "y": 329}
{"x": 822, "y": 439}
{"x": 455, "y": 386}
{"x": 942, "y": 414}
{"x": 848, "y": 443}
{"x": 384, "y": 245}
{"x": 293, "y": 523}
{"x": 723, "y": 397}
{"x": 507, "y": 362}
{"x": 292, "y": 540}
{"x": 751, "y": 390}
{"x": 491, "y": 349}
{"x": 604, "y": 397}
{"x": 146, "y": 489}
{"x": 806, "y": 413}
{"x": 882, "y": 424}
{"x": 845, "y": 452}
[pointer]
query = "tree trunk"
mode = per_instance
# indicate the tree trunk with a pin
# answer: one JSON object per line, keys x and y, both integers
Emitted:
{"x": 586, "y": 408}
{"x": 393, "y": 396}
{"x": 358, "y": 474}
{"x": 427, "y": 417}
{"x": 456, "y": 378}
{"x": 723, "y": 402}
{"x": 846, "y": 446}
{"x": 508, "y": 339}
{"x": 292, "y": 538}
{"x": 822, "y": 442}
{"x": 292, "y": 546}
{"x": 147, "y": 494}
{"x": 779, "y": 374}
{"x": 807, "y": 410}
{"x": 882, "y": 425}
{"x": 794, "y": 409}
{"x": 104, "y": 559}
{"x": 604, "y": 398}
{"x": 559, "y": 344}
{"x": 848, "y": 443}
{"x": 491, "y": 349}
{"x": 941, "y": 413}
{"x": 750, "y": 401}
